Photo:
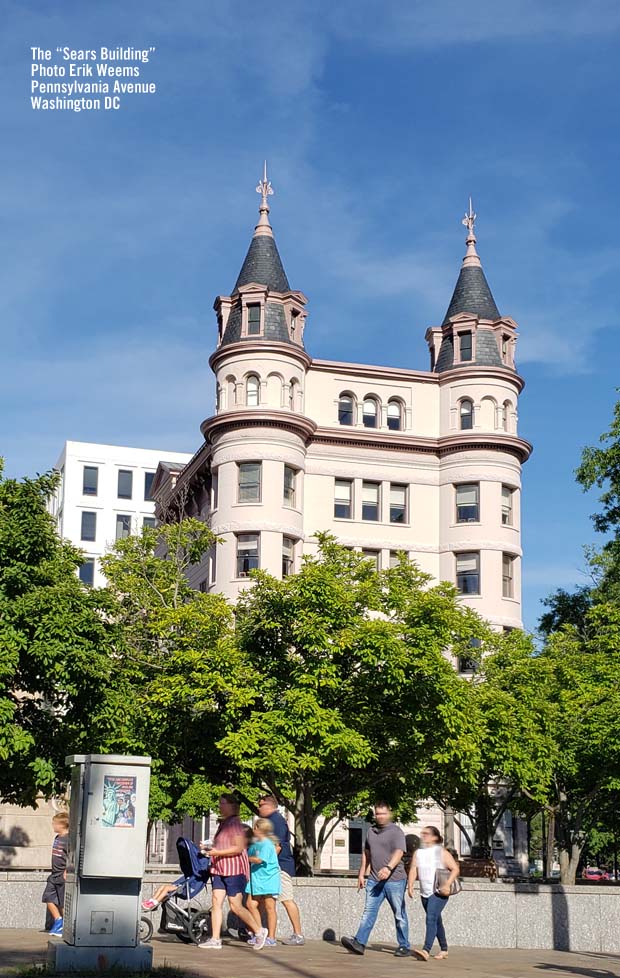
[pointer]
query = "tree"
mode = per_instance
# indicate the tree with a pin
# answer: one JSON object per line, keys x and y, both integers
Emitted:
{"x": 516, "y": 742}
{"x": 178, "y": 670}
{"x": 354, "y": 695}
{"x": 55, "y": 648}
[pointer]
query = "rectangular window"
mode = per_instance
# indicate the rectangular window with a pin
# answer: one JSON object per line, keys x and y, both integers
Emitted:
{"x": 254, "y": 319}
{"x": 148, "y": 484}
{"x": 213, "y": 565}
{"x": 89, "y": 526}
{"x": 288, "y": 556}
{"x": 289, "y": 485}
{"x": 86, "y": 573}
{"x": 370, "y": 500}
{"x": 507, "y": 494}
{"x": 467, "y": 503}
{"x": 468, "y": 573}
{"x": 398, "y": 503}
{"x": 214, "y": 490}
{"x": 372, "y": 555}
{"x": 149, "y": 521}
{"x": 343, "y": 499}
{"x": 123, "y": 526}
{"x": 249, "y": 482}
{"x": 508, "y": 575}
{"x": 90, "y": 480}
{"x": 247, "y": 554}
{"x": 125, "y": 483}
{"x": 466, "y": 346}
{"x": 467, "y": 665}
{"x": 394, "y": 558}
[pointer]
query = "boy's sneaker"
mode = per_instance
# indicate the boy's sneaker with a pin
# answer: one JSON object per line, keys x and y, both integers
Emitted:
{"x": 56, "y": 928}
{"x": 295, "y": 940}
{"x": 260, "y": 938}
{"x": 251, "y": 940}
{"x": 271, "y": 942}
{"x": 149, "y": 905}
{"x": 213, "y": 944}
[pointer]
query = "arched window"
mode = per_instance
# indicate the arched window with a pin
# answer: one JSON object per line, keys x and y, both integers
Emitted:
{"x": 506, "y": 406}
{"x": 292, "y": 395}
{"x": 371, "y": 412}
{"x": 346, "y": 408}
{"x": 218, "y": 397}
{"x": 395, "y": 415}
{"x": 252, "y": 388}
{"x": 466, "y": 414}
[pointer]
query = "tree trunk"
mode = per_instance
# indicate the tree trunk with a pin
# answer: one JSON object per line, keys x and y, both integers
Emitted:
{"x": 569, "y": 861}
{"x": 305, "y": 838}
{"x": 448, "y": 827}
{"x": 550, "y": 848}
{"x": 483, "y": 839}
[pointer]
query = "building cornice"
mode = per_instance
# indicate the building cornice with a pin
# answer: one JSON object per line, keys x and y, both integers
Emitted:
{"x": 258, "y": 346}
{"x": 474, "y": 372}
{"x": 259, "y": 418}
{"x": 445, "y": 445}
{"x": 373, "y": 371}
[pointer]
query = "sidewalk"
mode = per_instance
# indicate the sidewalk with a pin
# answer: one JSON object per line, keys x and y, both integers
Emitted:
{"x": 318, "y": 959}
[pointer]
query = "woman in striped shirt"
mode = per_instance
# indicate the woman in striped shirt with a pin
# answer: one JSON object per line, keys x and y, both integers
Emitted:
{"x": 230, "y": 871}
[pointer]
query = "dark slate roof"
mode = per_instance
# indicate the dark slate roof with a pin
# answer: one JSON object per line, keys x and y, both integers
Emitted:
{"x": 472, "y": 294}
{"x": 275, "y": 325}
{"x": 263, "y": 265}
{"x": 487, "y": 352}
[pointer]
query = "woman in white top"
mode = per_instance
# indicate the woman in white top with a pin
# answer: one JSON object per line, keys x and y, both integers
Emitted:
{"x": 430, "y": 857}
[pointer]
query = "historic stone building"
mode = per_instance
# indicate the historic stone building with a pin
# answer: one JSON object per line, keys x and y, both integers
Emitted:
{"x": 386, "y": 458}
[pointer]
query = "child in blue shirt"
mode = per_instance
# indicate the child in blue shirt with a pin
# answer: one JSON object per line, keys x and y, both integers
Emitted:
{"x": 264, "y": 884}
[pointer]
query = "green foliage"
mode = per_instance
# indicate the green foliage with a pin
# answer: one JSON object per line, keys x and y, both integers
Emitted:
{"x": 55, "y": 641}
{"x": 178, "y": 670}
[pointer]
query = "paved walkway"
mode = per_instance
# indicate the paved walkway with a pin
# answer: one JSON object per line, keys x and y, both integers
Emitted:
{"x": 21, "y": 948}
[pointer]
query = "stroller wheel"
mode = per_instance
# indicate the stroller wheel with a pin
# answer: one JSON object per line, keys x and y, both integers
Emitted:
{"x": 200, "y": 926}
{"x": 145, "y": 930}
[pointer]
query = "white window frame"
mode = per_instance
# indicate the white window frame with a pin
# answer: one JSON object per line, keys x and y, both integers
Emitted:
{"x": 241, "y": 466}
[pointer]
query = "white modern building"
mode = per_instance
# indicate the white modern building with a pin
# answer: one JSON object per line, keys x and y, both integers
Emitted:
{"x": 105, "y": 494}
{"x": 385, "y": 458}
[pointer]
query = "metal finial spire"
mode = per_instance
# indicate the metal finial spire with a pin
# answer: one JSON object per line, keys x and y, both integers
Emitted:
{"x": 471, "y": 255}
{"x": 469, "y": 220}
{"x": 265, "y": 189}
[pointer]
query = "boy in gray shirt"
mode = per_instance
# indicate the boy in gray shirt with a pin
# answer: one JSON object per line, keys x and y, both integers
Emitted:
{"x": 383, "y": 854}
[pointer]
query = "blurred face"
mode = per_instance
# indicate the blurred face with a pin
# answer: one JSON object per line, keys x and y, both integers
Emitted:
{"x": 266, "y": 807}
{"x": 383, "y": 816}
{"x": 427, "y": 838}
{"x": 227, "y": 808}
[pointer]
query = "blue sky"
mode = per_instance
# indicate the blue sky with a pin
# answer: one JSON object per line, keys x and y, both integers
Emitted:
{"x": 378, "y": 119}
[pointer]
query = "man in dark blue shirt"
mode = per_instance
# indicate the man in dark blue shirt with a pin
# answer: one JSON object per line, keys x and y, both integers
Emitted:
{"x": 268, "y": 808}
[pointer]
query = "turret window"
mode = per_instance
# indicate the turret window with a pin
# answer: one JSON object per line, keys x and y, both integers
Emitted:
{"x": 468, "y": 573}
{"x": 370, "y": 412}
{"x": 248, "y": 555}
{"x": 508, "y": 576}
{"x": 346, "y": 405}
{"x": 506, "y": 414}
{"x": 466, "y": 413}
{"x": 254, "y": 319}
{"x": 290, "y": 478}
{"x": 395, "y": 416}
{"x": 252, "y": 389}
{"x": 466, "y": 346}
{"x": 507, "y": 495}
{"x": 249, "y": 482}
{"x": 288, "y": 556}
{"x": 467, "y": 503}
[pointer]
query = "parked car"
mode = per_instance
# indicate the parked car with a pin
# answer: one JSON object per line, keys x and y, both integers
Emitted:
{"x": 594, "y": 873}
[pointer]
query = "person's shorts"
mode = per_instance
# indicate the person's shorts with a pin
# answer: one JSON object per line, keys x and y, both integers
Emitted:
{"x": 233, "y": 885}
{"x": 54, "y": 892}
{"x": 286, "y": 887}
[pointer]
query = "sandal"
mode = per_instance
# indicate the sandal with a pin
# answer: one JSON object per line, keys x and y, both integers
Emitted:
{"x": 441, "y": 955}
{"x": 421, "y": 955}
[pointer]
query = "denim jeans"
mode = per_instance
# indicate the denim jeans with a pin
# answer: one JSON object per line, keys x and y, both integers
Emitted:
{"x": 376, "y": 892}
{"x": 434, "y": 906}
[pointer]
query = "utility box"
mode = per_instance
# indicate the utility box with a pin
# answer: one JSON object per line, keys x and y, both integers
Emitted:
{"x": 107, "y": 841}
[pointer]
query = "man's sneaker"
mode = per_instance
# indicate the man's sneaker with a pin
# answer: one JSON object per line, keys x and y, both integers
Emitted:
{"x": 402, "y": 952}
{"x": 270, "y": 942}
{"x": 295, "y": 940}
{"x": 56, "y": 928}
{"x": 352, "y": 945}
{"x": 260, "y": 938}
{"x": 213, "y": 944}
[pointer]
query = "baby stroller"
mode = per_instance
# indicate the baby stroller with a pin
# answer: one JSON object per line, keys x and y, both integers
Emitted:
{"x": 190, "y": 924}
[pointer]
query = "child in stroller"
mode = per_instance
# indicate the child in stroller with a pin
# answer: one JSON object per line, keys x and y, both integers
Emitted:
{"x": 190, "y": 924}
